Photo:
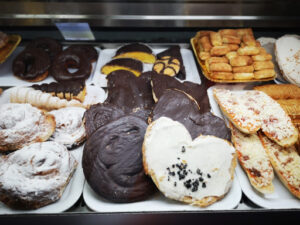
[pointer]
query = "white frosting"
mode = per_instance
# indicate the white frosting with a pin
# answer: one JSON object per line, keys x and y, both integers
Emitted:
{"x": 39, "y": 169}
{"x": 213, "y": 156}
{"x": 69, "y": 126}
{"x": 288, "y": 57}
{"x": 21, "y": 123}
{"x": 40, "y": 99}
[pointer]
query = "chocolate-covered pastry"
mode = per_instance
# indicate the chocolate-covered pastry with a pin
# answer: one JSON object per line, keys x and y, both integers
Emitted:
{"x": 32, "y": 64}
{"x": 136, "y": 51}
{"x": 178, "y": 106}
{"x": 173, "y": 53}
{"x": 160, "y": 83}
{"x": 66, "y": 90}
{"x": 51, "y": 46}
{"x": 99, "y": 115}
{"x": 112, "y": 161}
{"x": 130, "y": 93}
{"x": 132, "y": 65}
{"x": 67, "y": 59}
{"x": 87, "y": 50}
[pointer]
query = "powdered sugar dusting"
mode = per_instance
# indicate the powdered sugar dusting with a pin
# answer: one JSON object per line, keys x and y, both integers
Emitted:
{"x": 69, "y": 126}
{"x": 21, "y": 124}
{"x": 37, "y": 169}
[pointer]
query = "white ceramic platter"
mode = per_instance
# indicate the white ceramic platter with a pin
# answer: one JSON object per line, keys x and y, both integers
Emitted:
{"x": 281, "y": 198}
{"x": 187, "y": 57}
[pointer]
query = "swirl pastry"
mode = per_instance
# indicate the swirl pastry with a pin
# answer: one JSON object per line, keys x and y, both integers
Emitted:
{"x": 22, "y": 124}
{"x": 69, "y": 130}
{"x": 36, "y": 175}
{"x": 39, "y": 99}
{"x": 112, "y": 161}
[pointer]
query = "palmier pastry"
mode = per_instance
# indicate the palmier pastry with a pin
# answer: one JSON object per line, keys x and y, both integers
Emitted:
{"x": 69, "y": 130}
{"x": 51, "y": 46}
{"x": 112, "y": 161}
{"x": 131, "y": 94}
{"x": 174, "y": 56}
{"x": 65, "y": 90}
{"x": 181, "y": 107}
{"x": 100, "y": 114}
{"x": 198, "y": 172}
{"x": 35, "y": 175}
{"x": 22, "y": 124}
{"x": 132, "y": 65}
{"x": 3, "y": 39}
{"x": 39, "y": 99}
{"x": 32, "y": 64}
{"x": 71, "y": 59}
{"x": 137, "y": 51}
{"x": 87, "y": 50}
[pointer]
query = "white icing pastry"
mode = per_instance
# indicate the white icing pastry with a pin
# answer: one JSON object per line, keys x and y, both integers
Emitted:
{"x": 22, "y": 124}
{"x": 287, "y": 50}
{"x": 198, "y": 172}
{"x": 70, "y": 129}
{"x": 35, "y": 175}
{"x": 40, "y": 99}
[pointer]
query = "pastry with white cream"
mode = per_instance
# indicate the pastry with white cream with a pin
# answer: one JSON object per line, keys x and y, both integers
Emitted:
{"x": 198, "y": 172}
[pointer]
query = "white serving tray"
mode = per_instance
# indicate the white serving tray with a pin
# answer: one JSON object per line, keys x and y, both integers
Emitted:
{"x": 158, "y": 202}
{"x": 281, "y": 198}
{"x": 68, "y": 199}
{"x": 7, "y": 78}
{"x": 187, "y": 57}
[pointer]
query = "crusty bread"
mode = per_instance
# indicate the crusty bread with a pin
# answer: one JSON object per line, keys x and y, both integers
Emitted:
{"x": 254, "y": 160}
{"x": 245, "y": 128}
{"x": 286, "y": 163}
{"x": 280, "y": 91}
{"x": 159, "y": 180}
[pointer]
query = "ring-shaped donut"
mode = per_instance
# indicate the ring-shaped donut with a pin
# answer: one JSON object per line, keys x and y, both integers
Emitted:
{"x": 67, "y": 59}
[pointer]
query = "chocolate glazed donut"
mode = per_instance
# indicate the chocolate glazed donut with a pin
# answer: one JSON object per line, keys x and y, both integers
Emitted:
{"x": 112, "y": 161}
{"x": 51, "y": 46}
{"x": 32, "y": 64}
{"x": 88, "y": 51}
{"x": 68, "y": 59}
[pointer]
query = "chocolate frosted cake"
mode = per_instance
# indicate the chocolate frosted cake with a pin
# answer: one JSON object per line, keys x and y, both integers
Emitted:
{"x": 169, "y": 62}
{"x": 181, "y": 107}
{"x": 136, "y": 51}
{"x": 132, "y": 65}
{"x": 112, "y": 161}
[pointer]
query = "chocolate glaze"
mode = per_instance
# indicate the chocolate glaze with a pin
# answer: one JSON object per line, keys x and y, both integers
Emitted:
{"x": 51, "y": 46}
{"x": 31, "y": 63}
{"x": 127, "y": 62}
{"x": 73, "y": 87}
{"x": 180, "y": 107}
{"x": 99, "y": 115}
{"x": 134, "y": 47}
{"x": 112, "y": 161}
{"x": 130, "y": 93}
{"x": 174, "y": 52}
{"x": 87, "y": 50}
{"x": 67, "y": 59}
{"x": 162, "y": 82}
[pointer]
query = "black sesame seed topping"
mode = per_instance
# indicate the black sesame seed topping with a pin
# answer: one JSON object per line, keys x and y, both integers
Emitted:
{"x": 204, "y": 185}
{"x": 172, "y": 173}
{"x": 175, "y": 184}
{"x": 200, "y": 179}
{"x": 208, "y": 175}
{"x": 178, "y": 158}
{"x": 173, "y": 166}
{"x": 187, "y": 184}
{"x": 183, "y": 149}
{"x": 198, "y": 171}
{"x": 168, "y": 178}
{"x": 195, "y": 185}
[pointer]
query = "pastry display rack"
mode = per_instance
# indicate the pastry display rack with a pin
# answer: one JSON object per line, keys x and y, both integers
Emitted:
{"x": 161, "y": 24}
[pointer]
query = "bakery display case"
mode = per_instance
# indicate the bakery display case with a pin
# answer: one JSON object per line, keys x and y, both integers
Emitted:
{"x": 149, "y": 112}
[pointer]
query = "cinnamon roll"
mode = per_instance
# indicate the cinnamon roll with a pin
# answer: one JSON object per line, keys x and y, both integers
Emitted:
{"x": 69, "y": 130}
{"x": 22, "y": 124}
{"x": 35, "y": 175}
